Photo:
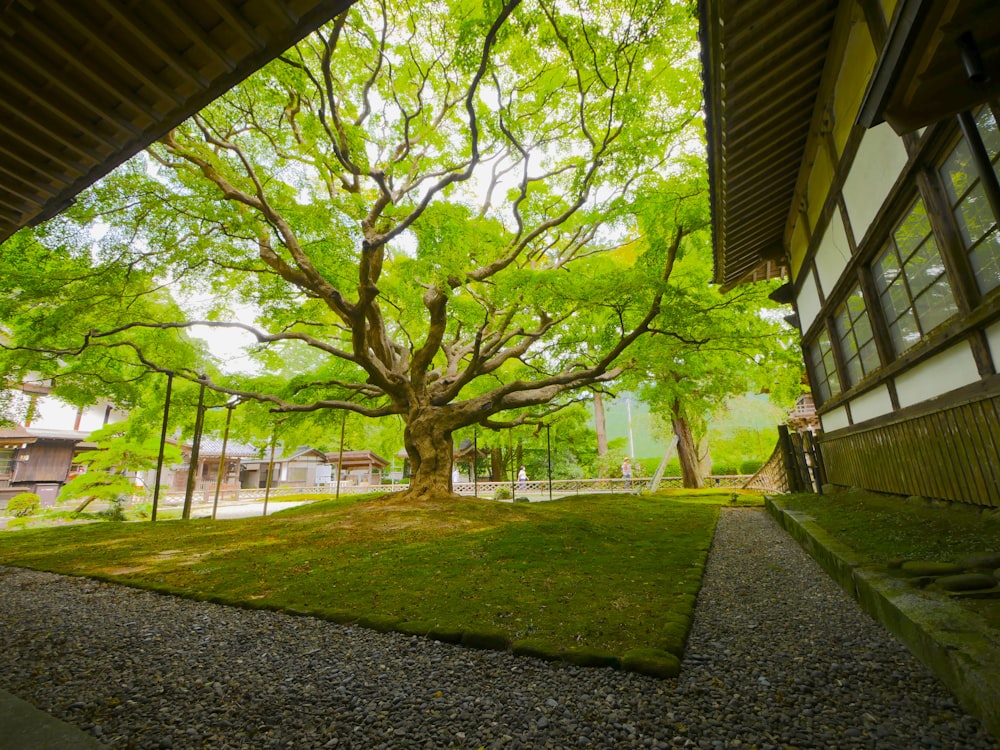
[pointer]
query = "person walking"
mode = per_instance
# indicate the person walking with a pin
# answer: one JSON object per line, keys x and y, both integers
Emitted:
{"x": 522, "y": 480}
{"x": 627, "y": 472}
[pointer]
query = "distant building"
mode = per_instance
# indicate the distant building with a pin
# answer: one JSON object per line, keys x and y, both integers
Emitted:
{"x": 359, "y": 467}
{"x": 304, "y": 467}
{"x": 40, "y": 455}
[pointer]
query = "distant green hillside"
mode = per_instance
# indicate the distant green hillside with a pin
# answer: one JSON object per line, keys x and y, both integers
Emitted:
{"x": 648, "y": 437}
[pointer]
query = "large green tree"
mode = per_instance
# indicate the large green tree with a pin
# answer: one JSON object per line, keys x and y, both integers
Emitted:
{"x": 430, "y": 196}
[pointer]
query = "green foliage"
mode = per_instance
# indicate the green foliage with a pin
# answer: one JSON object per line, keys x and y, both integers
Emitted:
{"x": 110, "y": 467}
{"x": 503, "y": 492}
{"x": 23, "y": 504}
{"x": 472, "y": 211}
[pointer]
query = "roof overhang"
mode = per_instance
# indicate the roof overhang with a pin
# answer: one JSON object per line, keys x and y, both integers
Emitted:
{"x": 86, "y": 85}
{"x": 941, "y": 57}
{"x": 763, "y": 62}
{"x": 763, "y": 67}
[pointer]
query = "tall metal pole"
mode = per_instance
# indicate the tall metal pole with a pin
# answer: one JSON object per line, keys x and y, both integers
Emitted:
{"x": 222, "y": 459}
{"x": 340, "y": 457}
{"x": 270, "y": 468}
{"x": 548, "y": 450}
{"x": 475, "y": 461}
{"x": 163, "y": 440}
{"x": 199, "y": 423}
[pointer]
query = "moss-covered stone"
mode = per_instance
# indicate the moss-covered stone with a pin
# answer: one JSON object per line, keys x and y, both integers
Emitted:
{"x": 930, "y": 568}
{"x": 673, "y": 636}
{"x": 966, "y": 582}
{"x": 415, "y": 627}
{"x": 379, "y": 623}
{"x": 445, "y": 634}
{"x": 590, "y": 657}
{"x": 981, "y": 561}
{"x": 489, "y": 639}
{"x": 652, "y": 662}
{"x": 537, "y": 649}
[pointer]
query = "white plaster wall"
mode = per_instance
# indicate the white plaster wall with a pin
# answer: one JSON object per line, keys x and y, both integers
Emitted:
{"x": 947, "y": 371}
{"x": 880, "y": 159}
{"x": 835, "y": 419}
{"x": 93, "y": 418}
{"x": 993, "y": 337}
{"x": 872, "y": 404}
{"x": 53, "y": 414}
{"x": 807, "y": 303}
{"x": 833, "y": 254}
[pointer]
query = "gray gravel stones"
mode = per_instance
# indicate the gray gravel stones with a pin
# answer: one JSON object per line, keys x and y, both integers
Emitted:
{"x": 779, "y": 657}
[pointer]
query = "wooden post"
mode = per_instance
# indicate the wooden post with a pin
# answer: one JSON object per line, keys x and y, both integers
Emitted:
{"x": 340, "y": 456}
{"x": 788, "y": 454}
{"x": 270, "y": 468}
{"x": 199, "y": 423}
{"x": 222, "y": 459}
{"x": 548, "y": 450}
{"x": 163, "y": 440}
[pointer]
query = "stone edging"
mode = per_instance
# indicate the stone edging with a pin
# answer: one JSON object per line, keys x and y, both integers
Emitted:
{"x": 952, "y": 642}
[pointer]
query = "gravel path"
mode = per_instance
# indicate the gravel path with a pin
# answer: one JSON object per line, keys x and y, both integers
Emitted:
{"x": 779, "y": 657}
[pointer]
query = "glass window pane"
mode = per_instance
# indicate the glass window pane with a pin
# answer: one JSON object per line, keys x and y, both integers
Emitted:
{"x": 975, "y": 216}
{"x": 985, "y": 260}
{"x": 886, "y": 269}
{"x": 913, "y": 230}
{"x": 854, "y": 371}
{"x": 863, "y": 330}
{"x": 869, "y": 357}
{"x": 924, "y": 267}
{"x": 897, "y": 301}
{"x": 988, "y": 131}
{"x": 904, "y": 333}
{"x": 935, "y": 305}
{"x": 957, "y": 171}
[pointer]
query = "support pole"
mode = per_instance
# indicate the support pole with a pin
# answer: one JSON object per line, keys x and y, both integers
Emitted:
{"x": 199, "y": 423}
{"x": 163, "y": 441}
{"x": 548, "y": 450}
{"x": 270, "y": 468}
{"x": 340, "y": 456}
{"x": 475, "y": 461}
{"x": 222, "y": 459}
{"x": 513, "y": 471}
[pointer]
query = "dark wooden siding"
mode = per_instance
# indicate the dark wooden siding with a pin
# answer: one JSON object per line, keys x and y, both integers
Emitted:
{"x": 952, "y": 454}
{"x": 48, "y": 462}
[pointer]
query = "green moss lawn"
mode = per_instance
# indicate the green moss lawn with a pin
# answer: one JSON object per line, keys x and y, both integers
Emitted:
{"x": 601, "y": 574}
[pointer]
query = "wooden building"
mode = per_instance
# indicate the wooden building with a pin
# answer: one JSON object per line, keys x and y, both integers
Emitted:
{"x": 304, "y": 467}
{"x": 174, "y": 478}
{"x": 358, "y": 467}
{"x": 854, "y": 146}
{"x": 40, "y": 455}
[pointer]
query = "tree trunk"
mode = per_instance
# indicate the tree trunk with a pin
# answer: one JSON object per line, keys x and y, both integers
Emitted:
{"x": 704, "y": 457}
{"x": 83, "y": 506}
{"x": 600, "y": 424}
{"x": 686, "y": 450}
{"x": 431, "y": 452}
{"x": 496, "y": 465}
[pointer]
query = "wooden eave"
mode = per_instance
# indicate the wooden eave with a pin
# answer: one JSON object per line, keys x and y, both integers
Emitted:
{"x": 920, "y": 77}
{"x": 763, "y": 63}
{"x": 86, "y": 85}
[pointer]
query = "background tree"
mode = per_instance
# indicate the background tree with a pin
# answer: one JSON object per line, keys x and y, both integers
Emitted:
{"x": 405, "y": 192}
{"x": 731, "y": 344}
{"x": 112, "y": 466}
